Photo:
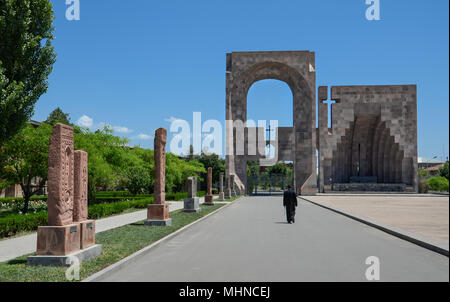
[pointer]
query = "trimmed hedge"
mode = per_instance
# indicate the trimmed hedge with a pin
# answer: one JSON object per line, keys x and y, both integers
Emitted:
{"x": 105, "y": 199}
{"x": 97, "y": 211}
{"x": 20, "y": 199}
{"x": 13, "y": 224}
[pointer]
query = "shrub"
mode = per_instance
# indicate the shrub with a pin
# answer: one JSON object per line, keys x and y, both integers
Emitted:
{"x": 443, "y": 171}
{"x": 12, "y": 200}
{"x": 423, "y": 186}
{"x": 13, "y": 224}
{"x": 105, "y": 199}
{"x": 438, "y": 183}
{"x": 107, "y": 209}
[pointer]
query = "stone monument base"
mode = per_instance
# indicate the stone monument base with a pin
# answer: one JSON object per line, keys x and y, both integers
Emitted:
{"x": 164, "y": 222}
{"x": 87, "y": 233}
{"x": 65, "y": 260}
{"x": 157, "y": 211}
{"x": 158, "y": 215}
{"x": 221, "y": 196}
{"x": 228, "y": 194}
{"x": 209, "y": 200}
{"x": 191, "y": 205}
{"x": 58, "y": 240}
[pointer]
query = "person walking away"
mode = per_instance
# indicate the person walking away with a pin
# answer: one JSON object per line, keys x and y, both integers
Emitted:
{"x": 290, "y": 202}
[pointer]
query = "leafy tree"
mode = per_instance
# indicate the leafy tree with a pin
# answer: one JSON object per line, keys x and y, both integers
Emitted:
{"x": 105, "y": 157}
{"x": 138, "y": 179}
{"x": 58, "y": 116}
{"x": 438, "y": 183}
{"x": 26, "y": 60}
{"x": 252, "y": 168}
{"x": 279, "y": 168}
{"x": 212, "y": 160}
{"x": 178, "y": 170}
{"x": 423, "y": 173}
{"x": 24, "y": 159}
{"x": 443, "y": 171}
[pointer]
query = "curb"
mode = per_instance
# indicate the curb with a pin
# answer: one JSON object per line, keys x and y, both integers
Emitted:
{"x": 98, "y": 276}
{"x": 413, "y": 238}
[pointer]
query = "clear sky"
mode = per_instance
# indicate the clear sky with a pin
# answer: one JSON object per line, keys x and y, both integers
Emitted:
{"x": 137, "y": 64}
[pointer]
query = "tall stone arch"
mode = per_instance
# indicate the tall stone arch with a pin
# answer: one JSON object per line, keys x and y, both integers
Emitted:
{"x": 297, "y": 70}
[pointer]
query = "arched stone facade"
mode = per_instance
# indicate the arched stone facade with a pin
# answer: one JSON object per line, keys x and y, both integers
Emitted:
{"x": 297, "y": 70}
{"x": 372, "y": 138}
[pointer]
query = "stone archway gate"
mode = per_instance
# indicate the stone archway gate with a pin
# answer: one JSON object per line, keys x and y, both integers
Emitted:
{"x": 297, "y": 143}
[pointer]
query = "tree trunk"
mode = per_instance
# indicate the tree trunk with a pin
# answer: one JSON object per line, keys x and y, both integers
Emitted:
{"x": 26, "y": 201}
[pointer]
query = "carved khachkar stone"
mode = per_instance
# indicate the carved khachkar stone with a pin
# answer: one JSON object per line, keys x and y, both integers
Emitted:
{"x": 68, "y": 230}
{"x": 192, "y": 186}
{"x": 60, "y": 176}
{"x": 209, "y": 198}
{"x": 191, "y": 203}
{"x": 228, "y": 188}
{"x": 62, "y": 235}
{"x": 80, "y": 206}
{"x": 158, "y": 213}
{"x": 221, "y": 193}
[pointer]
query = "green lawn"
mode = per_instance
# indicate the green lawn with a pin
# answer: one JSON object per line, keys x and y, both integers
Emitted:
{"x": 117, "y": 244}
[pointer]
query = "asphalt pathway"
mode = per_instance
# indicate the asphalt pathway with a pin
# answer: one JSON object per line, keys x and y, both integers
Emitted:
{"x": 250, "y": 241}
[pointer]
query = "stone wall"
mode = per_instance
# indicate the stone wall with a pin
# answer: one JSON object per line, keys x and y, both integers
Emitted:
{"x": 373, "y": 134}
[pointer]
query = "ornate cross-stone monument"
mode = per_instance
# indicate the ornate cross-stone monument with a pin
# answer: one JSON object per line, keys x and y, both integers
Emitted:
{"x": 191, "y": 203}
{"x": 209, "y": 198}
{"x": 80, "y": 206}
{"x": 68, "y": 233}
{"x": 158, "y": 213}
{"x": 221, "y": 193}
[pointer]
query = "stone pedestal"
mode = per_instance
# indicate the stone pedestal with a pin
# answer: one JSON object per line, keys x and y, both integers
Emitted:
{"x": 87, "y": 236}
{"x": 66, "y": 260}
{"x": 58, "y": 240}
{"x": 209, "y": 200}
{"x": 192, "y": 204}
{"x": 158, "y": 215}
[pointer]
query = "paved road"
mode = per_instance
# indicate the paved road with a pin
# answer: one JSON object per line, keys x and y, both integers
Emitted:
{"x": 249, "y": 241}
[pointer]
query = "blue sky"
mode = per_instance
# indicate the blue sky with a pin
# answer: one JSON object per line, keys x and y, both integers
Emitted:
{"x": 135, "y": 64}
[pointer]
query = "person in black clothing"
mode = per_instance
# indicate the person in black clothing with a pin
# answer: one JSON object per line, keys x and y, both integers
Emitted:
{"x": 290, "y": 202}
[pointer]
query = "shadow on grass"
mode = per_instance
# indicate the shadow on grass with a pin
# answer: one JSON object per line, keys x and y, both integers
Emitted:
{"x": 17, "y": 261}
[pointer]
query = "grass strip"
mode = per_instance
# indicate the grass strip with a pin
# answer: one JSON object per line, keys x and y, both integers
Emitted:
{"x": 117, "y": 244}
